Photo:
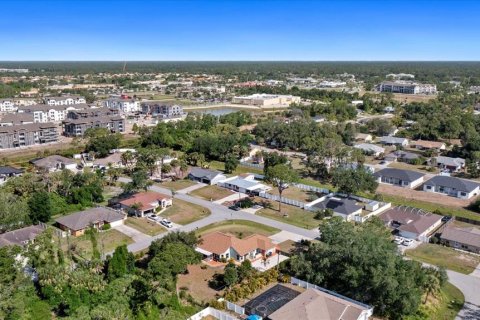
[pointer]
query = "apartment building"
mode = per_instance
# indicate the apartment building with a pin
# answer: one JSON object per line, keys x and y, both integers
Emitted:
{"x": 14, "y": 119}
{"x": 262, "y": 99}
{"x": 64, "y": 100}
{"x": 7, "y": 105}
{"x": 27, "y": 135}
{"x": 407, "y": 87}
{"x": 121, "y": 104}
{"x": 76, "y": 127}
{"x": 162, "y": 109}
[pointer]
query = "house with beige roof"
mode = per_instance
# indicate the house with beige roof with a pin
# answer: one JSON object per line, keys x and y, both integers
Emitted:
{"x": 143, "y": 203}
{"x": 461, "y": 238}
{"x": 428, "y": 145}
{"x": 218, "y": 246}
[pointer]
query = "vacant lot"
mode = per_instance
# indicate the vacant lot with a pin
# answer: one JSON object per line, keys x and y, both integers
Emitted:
{"x": 290, "y": 214}
{"x": 196, "y": 282}
{"x": 183, "y": 212}
{"x": 445, "y": 257}
{"x": 420, "y": 168}
{"x": 177, "y": 185}
{"x": 145, "y": 226}
{"x": 240, "y": 228}
{"x": 107, "y": 242}
{"x": 218, "y": 165}
{"x": 296, "y": 194}
{"x": 212, "y": 193}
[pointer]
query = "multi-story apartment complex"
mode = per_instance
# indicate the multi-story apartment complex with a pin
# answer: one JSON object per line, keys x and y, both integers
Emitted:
{"x": 14, "y": 119}
{"x": 7, "y": 105}
{"x": 27, "y": 135}
{"x": 162, "y": 109}
{"x": 79, "y": 122}
{"x": 407, "y": 87}
{"x": 65, "y": 100}
{"x": 263, "y": 99}
{"x": 123, "y": 105}
{"x": 46, "y": 113}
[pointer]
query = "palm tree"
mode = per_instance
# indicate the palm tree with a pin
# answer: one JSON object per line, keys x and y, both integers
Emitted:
{"x": 431, "y": 286}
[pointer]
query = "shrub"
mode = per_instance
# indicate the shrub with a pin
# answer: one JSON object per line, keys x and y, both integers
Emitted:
{"x": 106, "y": 226}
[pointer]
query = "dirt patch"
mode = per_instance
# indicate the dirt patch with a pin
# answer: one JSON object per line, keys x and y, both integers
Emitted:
{"x": 423, "y": 196}
{"x": 196, "y": 282}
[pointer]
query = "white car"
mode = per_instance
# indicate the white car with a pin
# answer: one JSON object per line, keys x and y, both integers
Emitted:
{"x": 152, "y": 217}
{"x": 398, "y": 240}
{"x": 166, "y": 223}
{"x": 407, "y": 242}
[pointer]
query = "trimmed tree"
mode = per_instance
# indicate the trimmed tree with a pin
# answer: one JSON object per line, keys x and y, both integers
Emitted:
{"x": 281, "y": 177}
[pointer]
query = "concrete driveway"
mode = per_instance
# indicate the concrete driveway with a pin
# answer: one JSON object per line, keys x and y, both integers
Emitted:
{"x": 192, "y": 188}
{"x": 285, "y": 235}
{"x": 136, "y": 235}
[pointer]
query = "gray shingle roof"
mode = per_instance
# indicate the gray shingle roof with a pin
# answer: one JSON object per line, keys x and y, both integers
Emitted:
{"x": 20, "y": 236}
{"x": 403, "y": 155}
{"x": 468, "y": 236}
{"x": 201, "y": 173}
{"x": 342, "y": 206}
{"x": 10, "y": 170}
{"x": 51, "y": 161}
{"x": 83, "y": 219}
{"x": 452, "y": 182}
{"x": 405, "y": 175}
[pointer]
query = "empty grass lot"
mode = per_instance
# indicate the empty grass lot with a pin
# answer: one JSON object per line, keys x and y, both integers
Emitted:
{"x": 211, "y": 193}
{"x": 296, "y": 194}
{"x": 183, "y": 212}
{"x": 296, "y": 216}
{"x": 445, "y": 257}
{"x": 145, "y": 226}
{"x": 177, "y": 185}
{"x": 218, "y": 165}
{"x": 240, "y": 228}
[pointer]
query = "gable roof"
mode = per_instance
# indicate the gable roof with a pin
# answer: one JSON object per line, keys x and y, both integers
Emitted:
{"x": 448, "y": 161}
{"x": 429, "y": 144}
{"x": 393, "y": 140}
{"x": 411, "y": 219}
{"x": 404, "y": 175}
{"x": 83, "y": 219}
{"x": 403, "y": 155}
{"x": 9, "y": 170}
{"x": 201, "y": 173}
{"x": 369, "y": 147}
{"x": 52, "y": 161}
{"x": 219, "y": 242}
{"x": 144, "y": 199}
{"x": 20, "y": 236}
{"x": 452, "y": 182}
{"x": 314, "y": 304}
{"x": 468, "y": 236}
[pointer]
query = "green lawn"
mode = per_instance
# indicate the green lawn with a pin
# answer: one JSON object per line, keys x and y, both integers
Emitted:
{"x": 183, "y": 212}
{"x": 145, "y": 226}
{"x": 316, "y": 183}
{"x": 178, "y": 184}
{"x": 240, "y": 228}
{"x": 211, "y": 193}
{"x": 296, "y": 216}
{"x": 295, "y": 194}
{"x": 446, "y": 257}
{"x": 218, "y": 165}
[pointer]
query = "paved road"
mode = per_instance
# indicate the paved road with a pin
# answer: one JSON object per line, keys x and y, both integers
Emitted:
{"x": 470, "y": 287}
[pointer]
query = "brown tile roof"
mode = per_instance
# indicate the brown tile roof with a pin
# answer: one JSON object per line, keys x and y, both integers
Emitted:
{"x": 219, "y": 242}
{"x": 468, "y": 236}
{"x": 314, "y": 304}
{"x": 144, "y": 199}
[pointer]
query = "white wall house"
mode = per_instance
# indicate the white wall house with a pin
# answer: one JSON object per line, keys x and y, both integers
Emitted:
{"x": 66, "y": 100}
{"x": 399, "y": 178}
{"x": 246, "y": 184}
{"x": 451, "y": 186}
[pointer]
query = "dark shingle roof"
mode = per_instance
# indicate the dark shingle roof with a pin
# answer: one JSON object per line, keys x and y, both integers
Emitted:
{"x": 342, "y": 206}
{"x": 204, "y": 173}
{"x": 469, "y": 236}
{"x": 452, "y": 182}
{"x": 83, "y": 219}
{"x": 20, "y": 236}
{"x": 405, "y": 175}
{"x": 10, "y": 170}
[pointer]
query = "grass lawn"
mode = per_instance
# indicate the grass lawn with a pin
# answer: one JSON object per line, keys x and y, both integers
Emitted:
{"x": 107, "y": 242}
{"x": 445, "y": 305}
{"x": 295, "y": 194}
{"x": 145, "y": 226}
{"x": 443, "y": 256}
{"x": 316, "y": 183}
{"x": 183, "y": 212}
{"x": 218, "y": 165}
{"x": 240, "y": 228}
{"x": 211, "y": 193}
{"x": 296, "y": 216}
{"x": 177, "y": 185}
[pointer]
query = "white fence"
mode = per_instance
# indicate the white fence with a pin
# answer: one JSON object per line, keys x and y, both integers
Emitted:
{"x": 311, "y": 188}
{"x": 212, "y": 312}
{"x": 252, "y": 165}
{"x": 235, "y": 308}
{"x": 273, "y": 197}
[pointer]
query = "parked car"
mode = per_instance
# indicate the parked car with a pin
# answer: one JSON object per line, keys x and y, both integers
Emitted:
{"x": 166, "y": 223}
{"x": 152, "y": 217}
{"x": 407, "y": 242}
{"x": 446, "y": 218}
{"x": 398, "y": 240}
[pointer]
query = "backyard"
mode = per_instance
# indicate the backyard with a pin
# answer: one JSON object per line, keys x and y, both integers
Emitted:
{"x": 445, "y": 257}
{"x": 211, "y": 193}
{"x": 295, "y": 193}
{"x": 239, "y": 228}
{"x": 218, "y": 165}
{"x": 290, "y": 214}
{"x": 195, "y": 282}
{"x": 183, "y": 212}
{"x": 145, "y": 226}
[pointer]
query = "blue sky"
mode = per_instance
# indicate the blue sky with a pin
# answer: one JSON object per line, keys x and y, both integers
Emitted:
{"x": 239, "y": 30}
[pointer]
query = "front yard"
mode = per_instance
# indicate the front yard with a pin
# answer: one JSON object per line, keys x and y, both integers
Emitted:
{"x": 183, "y": 212}
{"x": 445, "y": 257}
{"x": 290, "y": 214}
{"x": 212, "y": 193}
{"x": 145, "y": 226}
{"x": 239, "y": 228}
{"x": 178, "y": 184}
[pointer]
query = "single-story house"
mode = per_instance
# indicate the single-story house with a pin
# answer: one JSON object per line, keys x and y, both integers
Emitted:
{"x": 370, "y": 149}
{"x": 341, "y": 207}
{"x": 411, "y": 223}
{"x": 461, "y": 238}
{"x": 402, "y": 156}
{"x": 143, "y": 203}
{"x": 450, "y": 164}
{"x": 314, "y": 304}
{"x": 206, "y": 175}
{"x": 244, "y": 184}
{"x": 114, "y": 160}
{"x": 389, "y": 140}
{"x": 455, "y": 187}
{"x": 399, "y": 177}
{"x": 77, "y": 223}
{"x": 429, "y": 145}
{"x": 218, "y": 245}
{"x": 55, "y": 163}
{"x": 20, "y": 237}
{"x": 364, "y": 137}
{"x": 9, "y": 172}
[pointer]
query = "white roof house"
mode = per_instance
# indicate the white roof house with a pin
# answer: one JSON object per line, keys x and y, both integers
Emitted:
{"x": 393, "y": 141}
{"x": 369, "y": 148}
{"x": 244, "y": 184}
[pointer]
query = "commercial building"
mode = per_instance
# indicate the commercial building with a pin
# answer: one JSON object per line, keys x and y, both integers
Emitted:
{"x": 407, "y": 87}
{"x": 64, "y": 100}
{"x": 27, "y": 135}
{"x": 263, "y": 100}
{"x": 162, "y": 109}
